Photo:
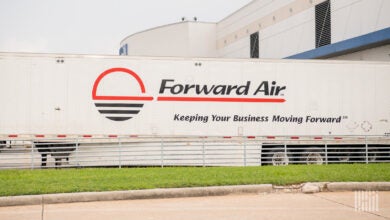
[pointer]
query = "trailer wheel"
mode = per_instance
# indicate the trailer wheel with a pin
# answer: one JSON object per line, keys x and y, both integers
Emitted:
{"x": 2, "y": 144}
{"x": 279, "y": 158}
{"x": 343, "y": 155}
{"x": 372, "y": 155}
{"x": 313, "y": 156}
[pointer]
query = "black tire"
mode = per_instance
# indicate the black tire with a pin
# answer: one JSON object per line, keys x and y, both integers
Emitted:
{"x": 313, "y": 155}
{"x": 279, "y": 158}
{"x": 343, "y": 155}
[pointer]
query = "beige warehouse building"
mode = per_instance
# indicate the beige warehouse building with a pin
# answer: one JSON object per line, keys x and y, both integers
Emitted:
{"x": 298, "y": 29}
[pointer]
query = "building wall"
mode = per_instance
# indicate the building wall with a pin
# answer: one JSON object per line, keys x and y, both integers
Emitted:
{"x": 352, "y": 18}
{"x": 284, "y": 26}
{"x": 288, "y": 37}
{"x": 286, "y": 29}
{"x": 184, "y": 39}
{"x": 202, "y": 40}
{"x": 159, "y": 41}
{"x": 240, "y": 49}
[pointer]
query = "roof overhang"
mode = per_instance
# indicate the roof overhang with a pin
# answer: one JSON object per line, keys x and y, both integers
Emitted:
{"x": 370, "y": 40}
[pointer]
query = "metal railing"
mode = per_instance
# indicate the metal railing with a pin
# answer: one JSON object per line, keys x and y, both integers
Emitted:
{"x": 190, "y": 151}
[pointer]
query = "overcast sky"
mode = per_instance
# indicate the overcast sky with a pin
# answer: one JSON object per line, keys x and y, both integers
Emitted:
{"x": 94, "y": 26}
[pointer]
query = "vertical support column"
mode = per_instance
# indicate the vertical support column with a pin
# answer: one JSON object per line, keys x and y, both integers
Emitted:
{"x": 285, "y": 153}
{"x": 203, "y": 154}
{"x": 120, "y": 152}
{"x": 244, "y": 153}
{"x": 326, "y": 153}
{"x": 32, "y": 154}
{"x": 162, "y": 153}
{"x": 365, "y": 140}
{"x": 76, "y": 157}
{"x": 260, "y": 153}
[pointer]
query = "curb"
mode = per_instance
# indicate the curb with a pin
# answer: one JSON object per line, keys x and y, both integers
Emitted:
{"x": 190, "y": 192}
{"x": 354, "y": 186}
{"x": 133, "y": 194}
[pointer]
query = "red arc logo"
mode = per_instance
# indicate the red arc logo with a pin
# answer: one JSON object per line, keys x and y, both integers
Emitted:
{"x": 128, "y": 105}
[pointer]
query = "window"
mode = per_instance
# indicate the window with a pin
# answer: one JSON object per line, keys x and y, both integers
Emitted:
{"x": 323, "y": 22}
{"x": 254, "y": 53}
{"x": 123, "y": 50}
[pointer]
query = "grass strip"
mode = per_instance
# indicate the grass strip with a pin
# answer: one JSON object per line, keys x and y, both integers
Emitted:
{"x": 32, "y": 182}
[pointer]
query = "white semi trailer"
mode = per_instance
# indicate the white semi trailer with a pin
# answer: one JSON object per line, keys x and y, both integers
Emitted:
{"x": 57, "y": 96}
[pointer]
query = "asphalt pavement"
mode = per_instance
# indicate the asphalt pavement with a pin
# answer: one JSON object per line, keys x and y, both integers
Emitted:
{"x": 191, "y": 192}
{"x": 345, "y": 200}
{"x": 323, "y": 205}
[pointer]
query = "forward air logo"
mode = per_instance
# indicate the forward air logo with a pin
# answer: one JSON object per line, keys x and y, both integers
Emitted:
{"x": 122, "y": 107}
